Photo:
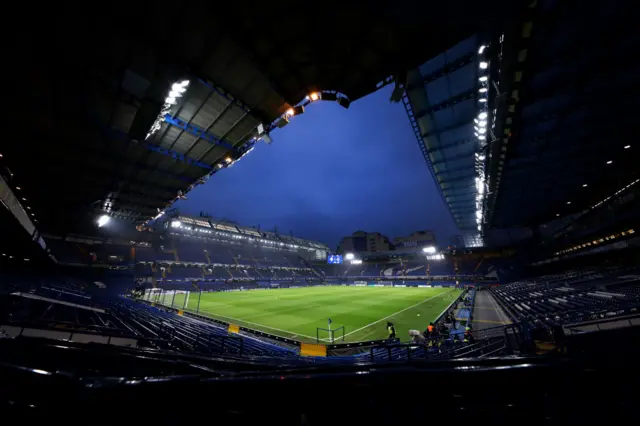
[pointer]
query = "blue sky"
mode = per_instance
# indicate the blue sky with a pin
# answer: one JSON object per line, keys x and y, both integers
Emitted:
{"x": 329, "y": 173}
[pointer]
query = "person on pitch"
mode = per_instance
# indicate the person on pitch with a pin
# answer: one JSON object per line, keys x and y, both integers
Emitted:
{"x": 392, "y": 330}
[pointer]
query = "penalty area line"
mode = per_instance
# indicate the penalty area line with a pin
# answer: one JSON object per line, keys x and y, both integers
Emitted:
{"x": 396, "y": 313}
{"x": 261, "y": 325}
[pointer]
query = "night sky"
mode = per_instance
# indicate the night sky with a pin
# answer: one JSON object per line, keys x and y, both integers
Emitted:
{"x": 331, "y": 172}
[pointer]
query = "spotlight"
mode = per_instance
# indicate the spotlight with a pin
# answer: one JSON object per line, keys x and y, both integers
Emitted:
{"x": 103, "y": 220}
{"x": 294, "y": 111}
{"x": 314, "y": 96}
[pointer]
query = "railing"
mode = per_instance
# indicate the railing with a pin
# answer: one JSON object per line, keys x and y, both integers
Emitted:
{"x": 492, "y": 341}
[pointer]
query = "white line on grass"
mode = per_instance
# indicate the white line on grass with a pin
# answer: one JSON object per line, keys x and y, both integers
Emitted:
{"x": 295, "y": 308}
{"x": 395, "y": 313}
{"x": 261, "y": 325}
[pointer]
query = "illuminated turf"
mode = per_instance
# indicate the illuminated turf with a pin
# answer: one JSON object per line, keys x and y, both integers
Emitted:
{"x": 296, "y": 313}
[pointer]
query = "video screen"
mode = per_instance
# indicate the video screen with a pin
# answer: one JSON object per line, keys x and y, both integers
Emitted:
{"x": 334, "y": 259}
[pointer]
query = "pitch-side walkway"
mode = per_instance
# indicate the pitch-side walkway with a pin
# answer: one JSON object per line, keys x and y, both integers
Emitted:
{"x": 487, "y": 313}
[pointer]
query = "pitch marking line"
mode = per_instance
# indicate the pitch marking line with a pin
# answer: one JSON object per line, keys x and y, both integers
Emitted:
{"x": 261, "y": 325}
{"x": 294, "y": 308}
{"x": 395, "y": 313}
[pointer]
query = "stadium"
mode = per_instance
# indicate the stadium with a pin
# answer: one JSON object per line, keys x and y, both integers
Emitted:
{"x": 118, "y": 303}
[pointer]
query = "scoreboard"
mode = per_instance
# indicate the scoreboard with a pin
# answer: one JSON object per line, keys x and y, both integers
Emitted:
{"x": 334, "y": 259}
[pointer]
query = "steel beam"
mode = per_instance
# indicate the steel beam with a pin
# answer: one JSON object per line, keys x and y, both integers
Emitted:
{"x": 448, "y": 68}
{"x": 119, "y": 135}
{"x": 457, "y": 169}
{"x": 459, "y": 178}
{"x": 448, "y": 103}
{"x": 196, "y": 131}
{"x": 450, "y": 145}
{"x": 455, "y": 158}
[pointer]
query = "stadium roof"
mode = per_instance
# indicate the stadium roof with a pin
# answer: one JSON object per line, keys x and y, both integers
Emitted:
{"x": 566, "y": 112}
{"x": 81, "y": 142}
{"x": 442, "y": 101}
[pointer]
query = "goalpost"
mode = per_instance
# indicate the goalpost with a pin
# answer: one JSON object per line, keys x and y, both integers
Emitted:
{"x": 329, "y": 334}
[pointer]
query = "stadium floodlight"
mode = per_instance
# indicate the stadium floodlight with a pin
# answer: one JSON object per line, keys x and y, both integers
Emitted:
{"x": 178, "y": 87}
{"x": 627, "y": 146}
{"x": 484, "y": 65}
{"x": 314, "y": 96}
{"x": 103, "y": 220}
{"x": 481, "y": 49}
{"x": 176, "y": 224}
{"x": 482, "y": 90}
{"x": 482, "y": 100}
{"x": 429, "y": 249}
{"x": 483, "y": 78}
{"x": 349, "y": 256}
{"x": 482, "y": 115}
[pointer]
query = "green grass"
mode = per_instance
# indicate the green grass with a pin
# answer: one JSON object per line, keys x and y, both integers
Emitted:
{"x": 296, "y": 313}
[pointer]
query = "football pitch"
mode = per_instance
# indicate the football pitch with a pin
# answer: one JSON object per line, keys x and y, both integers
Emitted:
{"x": 297, "y": 313}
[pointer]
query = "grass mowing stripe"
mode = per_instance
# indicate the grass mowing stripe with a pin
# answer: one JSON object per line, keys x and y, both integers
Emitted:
{"x": 260, "y": 325}
{"x": 396, "y": 313}
{"x": 291, "y": 312}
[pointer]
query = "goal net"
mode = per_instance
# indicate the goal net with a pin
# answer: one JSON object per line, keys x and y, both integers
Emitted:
{"x": 329, "y": 335}
{"x": 178, "y": 299}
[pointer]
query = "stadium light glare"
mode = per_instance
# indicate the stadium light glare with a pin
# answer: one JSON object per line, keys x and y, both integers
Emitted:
{"x": 627, "y": 146}
{"x": 482, "y": 100}
{"x": 178, "y": 87}
{"x": 314, "y": 96}
{"x": 609, "y": 162}
{"x": 482, "y": 115}
{"x": 482, "y": 90}
{"x": 481, "y": 158}
{"x": 176, "y": 224}
{"x": 429, "y": 249}
{"x": 103, "y": 220}
{"x": 585, "y": 185}
{"x": 481, "y": 49}
{"x": 349, "y": 256}
{"x": 170, "y": 100}
{"x": 483, "y": 78}
{"x": 482, "y": 137}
